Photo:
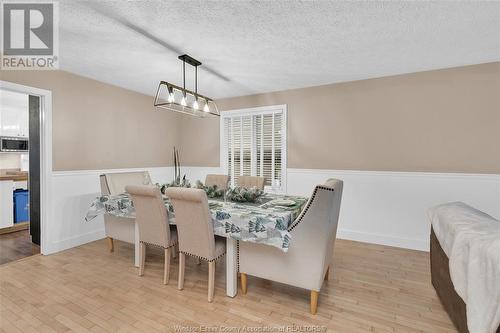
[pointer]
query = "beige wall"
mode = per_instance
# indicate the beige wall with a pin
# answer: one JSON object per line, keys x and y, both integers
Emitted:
{"x": 100, "y": 126}
{"x": 437, "y": 121}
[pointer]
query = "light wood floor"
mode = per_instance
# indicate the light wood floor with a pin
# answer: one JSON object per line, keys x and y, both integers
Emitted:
{"x": 374, "y": 289}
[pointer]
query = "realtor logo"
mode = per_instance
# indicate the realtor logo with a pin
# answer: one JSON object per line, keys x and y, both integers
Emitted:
{"x": 29, "y": 36}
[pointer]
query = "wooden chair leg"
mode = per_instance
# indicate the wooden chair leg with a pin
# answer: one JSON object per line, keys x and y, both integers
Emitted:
{"x": 166, "y": 269}
{"x": 174, "y": 251}
{"x": 211, "y": 280}
{"x": 327, "y": 273}
{"x": 243, "y": 277}
{"x": 182, "y": 266}
{"x": 314, "y": 301}
{"x": 111, "y": 245}
{"x": 142, "y": 256}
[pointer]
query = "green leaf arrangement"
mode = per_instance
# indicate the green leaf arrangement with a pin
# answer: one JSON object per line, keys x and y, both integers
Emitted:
{"x": 243, "y": 194}
{"x": 212, "y": 191}
{"x": 178, "y": 182}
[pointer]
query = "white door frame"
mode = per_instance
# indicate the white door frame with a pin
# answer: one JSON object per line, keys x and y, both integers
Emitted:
{"x": 45, "y": 155}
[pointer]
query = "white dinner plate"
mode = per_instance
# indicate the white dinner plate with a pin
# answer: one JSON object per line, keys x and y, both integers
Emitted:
{"x": 283, "y": 202}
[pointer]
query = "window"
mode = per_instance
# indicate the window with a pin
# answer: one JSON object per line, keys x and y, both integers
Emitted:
{"x": 253, "y": 143}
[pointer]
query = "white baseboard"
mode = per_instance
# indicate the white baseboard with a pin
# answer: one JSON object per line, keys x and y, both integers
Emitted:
{"x": 77, "y": 240}
{"x": 373, "y": 238}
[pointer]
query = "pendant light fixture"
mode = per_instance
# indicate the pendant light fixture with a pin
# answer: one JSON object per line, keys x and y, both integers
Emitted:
{"x": 179, "y": 99}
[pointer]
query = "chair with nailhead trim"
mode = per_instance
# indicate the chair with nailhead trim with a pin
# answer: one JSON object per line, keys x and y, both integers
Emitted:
{"x": 151, "y": 217}
{"x": 308, "y": 260}
{"x": 195, "y": 231}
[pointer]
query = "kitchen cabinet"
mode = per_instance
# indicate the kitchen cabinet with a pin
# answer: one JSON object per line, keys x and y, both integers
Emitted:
{"x": 14, "y": 116}
{"x": 14, "y": 123}
{"x": 24, "y": 128}
{"x": 6, "y": 204}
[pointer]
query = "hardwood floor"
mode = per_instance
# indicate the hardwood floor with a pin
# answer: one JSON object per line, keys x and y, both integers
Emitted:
{"x": 16, "y": 245}
{"x": 374, "y": 289}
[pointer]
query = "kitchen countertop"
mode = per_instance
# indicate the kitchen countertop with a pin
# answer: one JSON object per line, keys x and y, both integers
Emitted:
{"x": 15, "y": 176}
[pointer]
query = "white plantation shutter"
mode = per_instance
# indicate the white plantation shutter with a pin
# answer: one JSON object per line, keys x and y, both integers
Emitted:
{"x": 254, "y": 144}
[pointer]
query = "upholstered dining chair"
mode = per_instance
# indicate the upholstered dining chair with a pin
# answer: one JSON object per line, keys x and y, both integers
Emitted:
{"x": 120, "y": 228}
{"x": 152, "y": 219}
{"x": 221, "y": 181}
{"x": 251, "y": 181}
{"x": 309, "y": 257}
{"x": 195, "y": 231}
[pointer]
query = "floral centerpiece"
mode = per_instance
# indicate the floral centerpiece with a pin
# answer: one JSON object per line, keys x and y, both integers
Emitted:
{"x": 243, "y": 194}
{"x": 213, "y": 191}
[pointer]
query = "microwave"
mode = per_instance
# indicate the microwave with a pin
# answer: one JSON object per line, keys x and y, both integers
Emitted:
{"x": 13, "y": 144}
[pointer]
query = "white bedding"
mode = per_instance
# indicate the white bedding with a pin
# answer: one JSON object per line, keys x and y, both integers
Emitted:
{"x": 471, "y": 240}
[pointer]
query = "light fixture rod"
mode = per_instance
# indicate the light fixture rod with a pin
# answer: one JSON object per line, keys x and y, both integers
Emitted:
{"x": 184, "y": 75}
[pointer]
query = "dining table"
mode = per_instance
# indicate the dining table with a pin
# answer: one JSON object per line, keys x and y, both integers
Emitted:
{"x": 264, "y": 222}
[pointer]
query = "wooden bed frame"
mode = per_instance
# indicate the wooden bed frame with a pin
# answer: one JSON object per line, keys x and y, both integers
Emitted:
{"x": 441, "y": 280}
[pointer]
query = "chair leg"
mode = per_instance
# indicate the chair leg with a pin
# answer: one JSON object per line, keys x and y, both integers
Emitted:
{"x": 111, "y": 245}
{"x": 166, "y": 269}
{"x": 211, "y": 280}
{"x": 142, "y": 256}
{"x": 314, "y": 301}
{"x": 182, "y": 266}
{"x": 174, "y": 251}
{"x": 243, "y": 277}
{"x": 327, "y": 273}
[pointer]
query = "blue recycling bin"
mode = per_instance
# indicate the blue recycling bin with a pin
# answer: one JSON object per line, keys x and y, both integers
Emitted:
{"x": 21, "y": 206}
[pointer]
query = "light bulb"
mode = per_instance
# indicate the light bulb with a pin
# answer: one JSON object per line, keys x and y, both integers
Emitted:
{"x": 183, "y": 101}
{"x": 206, "y": 108}
{"x": 171, "y": 97}
{"x": 195, "y": 105}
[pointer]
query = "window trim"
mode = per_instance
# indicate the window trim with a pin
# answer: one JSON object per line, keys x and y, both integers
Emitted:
{"x": 261, "y": 110}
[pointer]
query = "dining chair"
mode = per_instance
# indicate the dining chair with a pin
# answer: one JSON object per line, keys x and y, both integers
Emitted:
{"x": 152, "y": 220}
{"x": 251, "y": 181}
{"x": 195, "y": 231}
{"x": 120, "y": 228}
{"x": 309, "y": 258}
{"x": 221, "y": 181}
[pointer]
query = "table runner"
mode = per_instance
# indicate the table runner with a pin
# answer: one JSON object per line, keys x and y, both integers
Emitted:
{"x": 265, "y": 222}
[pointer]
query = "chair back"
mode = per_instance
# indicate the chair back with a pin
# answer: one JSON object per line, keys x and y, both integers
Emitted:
{"x": 251, "y": 181}
{"x": 193, "y": 220}
{"x": 151, "y": 215}
{"x": 114, "y": 183}
{"x": 315, "y": 230}
{"x": 221, "y": 181}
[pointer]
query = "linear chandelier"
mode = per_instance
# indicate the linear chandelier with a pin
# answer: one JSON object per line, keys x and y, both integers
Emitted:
{"x": 179, "y": 99}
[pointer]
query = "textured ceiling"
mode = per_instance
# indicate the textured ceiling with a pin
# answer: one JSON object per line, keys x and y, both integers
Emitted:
{"x": 248, "y": 47}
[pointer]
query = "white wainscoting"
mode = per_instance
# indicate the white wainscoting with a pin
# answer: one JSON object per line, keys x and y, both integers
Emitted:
{"x": 72, "y": 193}
{"x": 378, "y": 207}
{"x": 390, "y": 208}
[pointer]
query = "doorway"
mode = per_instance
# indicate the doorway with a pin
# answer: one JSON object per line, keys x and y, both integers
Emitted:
{"x": 19, "y": 175}
{"x": 25, "y": 184}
